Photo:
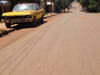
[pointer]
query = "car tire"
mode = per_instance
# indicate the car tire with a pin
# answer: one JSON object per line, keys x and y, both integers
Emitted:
{"x": 33, "y": 23}
{"x": 8, "y": 25}
{"x": 42, "y": 19}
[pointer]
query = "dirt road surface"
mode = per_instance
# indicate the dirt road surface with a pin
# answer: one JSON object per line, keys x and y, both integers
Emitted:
{"x": 69, "y": 44}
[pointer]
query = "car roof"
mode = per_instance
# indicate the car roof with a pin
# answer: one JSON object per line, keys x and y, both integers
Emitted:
{"x": 26, "y": 3}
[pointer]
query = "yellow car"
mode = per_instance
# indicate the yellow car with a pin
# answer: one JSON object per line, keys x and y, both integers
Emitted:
{"x": 26, "y": 12}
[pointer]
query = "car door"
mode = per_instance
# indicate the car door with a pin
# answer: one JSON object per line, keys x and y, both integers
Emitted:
{"x": 40, "y": 11}
{"x": 37, "y": 11}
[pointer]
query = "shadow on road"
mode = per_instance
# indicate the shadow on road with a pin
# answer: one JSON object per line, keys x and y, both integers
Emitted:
{"x": 26, "y": 25}
{"x": 4, "y": 32}
{"x": 23, "y": 26}
{"x": 50, "y": 16}
{"x": 18, "y": 27}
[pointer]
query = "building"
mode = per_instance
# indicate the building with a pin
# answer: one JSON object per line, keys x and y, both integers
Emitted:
{"x": 46, "y": 4}
{"x": 49, "y": 9}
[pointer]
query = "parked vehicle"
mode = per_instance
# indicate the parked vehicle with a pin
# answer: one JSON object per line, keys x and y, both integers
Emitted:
{"x": 82, "y": 9}
{"x": 26, "y": 12}
{"x": 70, "y": 5}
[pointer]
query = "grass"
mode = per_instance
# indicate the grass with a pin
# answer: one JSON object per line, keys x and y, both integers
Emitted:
{"x": 46, "y": 13}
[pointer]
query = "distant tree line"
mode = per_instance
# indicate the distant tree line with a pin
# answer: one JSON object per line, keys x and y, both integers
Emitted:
{"x": 91, "y": 5}
{"x": 62, "y": 4}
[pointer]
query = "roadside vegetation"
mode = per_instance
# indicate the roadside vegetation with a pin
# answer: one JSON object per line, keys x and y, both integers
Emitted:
{"x": 90, "y": 5}
{"x": 62, "y": 4}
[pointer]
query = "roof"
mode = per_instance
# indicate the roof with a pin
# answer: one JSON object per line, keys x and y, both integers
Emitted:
{"x": 26, "y": 3}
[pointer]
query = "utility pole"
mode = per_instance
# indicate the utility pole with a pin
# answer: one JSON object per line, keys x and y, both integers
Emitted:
{"x": 45, "y": 5}
{"x": 51, "y": 6}
{"x": 54, "y": 5}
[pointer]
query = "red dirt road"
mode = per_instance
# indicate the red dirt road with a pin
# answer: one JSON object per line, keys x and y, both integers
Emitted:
{"x": 67, "y": 45}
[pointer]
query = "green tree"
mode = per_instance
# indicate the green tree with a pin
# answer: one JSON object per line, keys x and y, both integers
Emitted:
{"x": 84, "y": 3}
{"x": 91, "y": 5}
{"x": 62, "y": 4}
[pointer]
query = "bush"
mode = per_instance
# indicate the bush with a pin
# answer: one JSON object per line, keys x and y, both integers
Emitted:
{"x": 91, "y": 5}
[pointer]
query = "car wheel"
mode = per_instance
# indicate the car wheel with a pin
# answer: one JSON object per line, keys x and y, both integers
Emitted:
{"x": 33, "y": 23}
{"x": 42, "y": 19}
{"x": 8, "y": 25}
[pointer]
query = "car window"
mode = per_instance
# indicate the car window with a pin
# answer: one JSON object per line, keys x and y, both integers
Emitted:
{"x": 37, "y": 7}
{"x": 23, "y": 7}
